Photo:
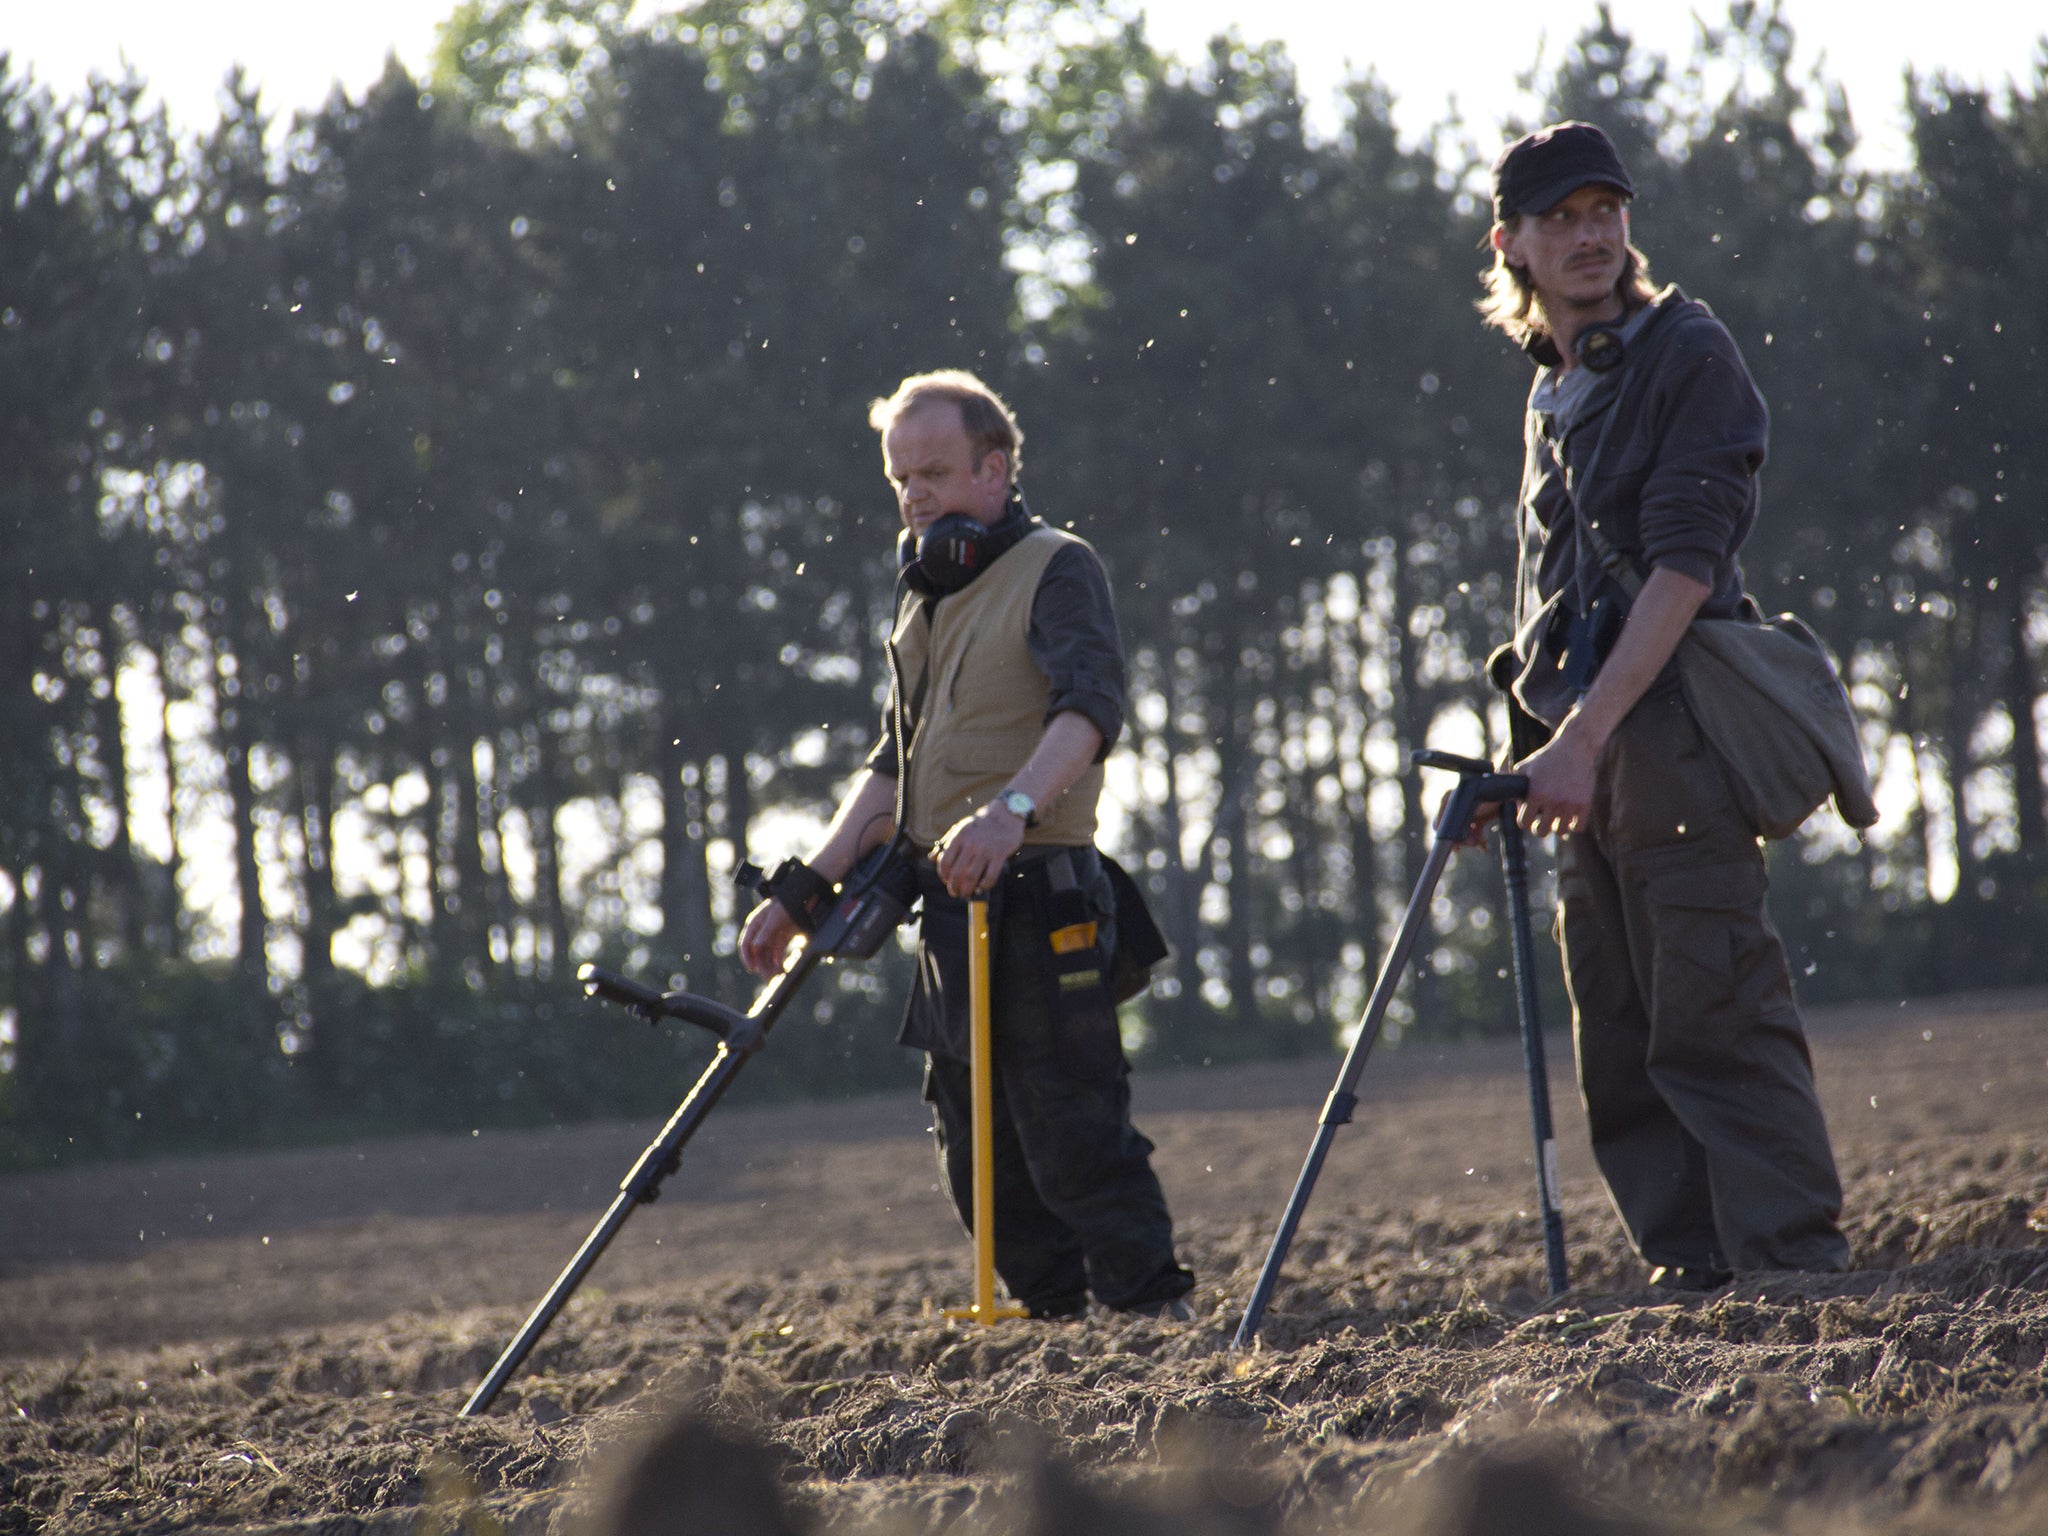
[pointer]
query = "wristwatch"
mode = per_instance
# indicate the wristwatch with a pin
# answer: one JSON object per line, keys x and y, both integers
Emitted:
{"x": 1019, "y": 805}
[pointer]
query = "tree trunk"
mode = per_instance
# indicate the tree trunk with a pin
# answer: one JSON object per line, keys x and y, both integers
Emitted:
{"x": 469, "y": 911}
{"x": 174, "y": 916}
{"x": 316, "y": 826}
{"x": 1313, "y": 956}
{"x": 739, "y": 801}
{"x": 431, "y": 936}
{"x": 497, "y": 801}
{"x": 67, "y": 1001}
{"x": 1237, "y": 939}
{"x": 1236, "y": 769}
{"x": 2021, "y": 691}
{"x": 124, "y": 874}
{"x": 1933, "y": 974}
{"x": 1180, "y": 898}
{"x": 327, "y": 1046}
{"x": 544, "y": 804}
{"x": 1412, "y": 714}
{"x": 1958, "y": 725}
{"x": 1358, "y": 921}
{"x": 34, "y": 1036}
{"x": 685, "y": 875}
{"x": 252, "y": 960}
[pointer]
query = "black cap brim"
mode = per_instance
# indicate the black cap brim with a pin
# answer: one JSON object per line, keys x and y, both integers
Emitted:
{"x": 1543, "y": 199}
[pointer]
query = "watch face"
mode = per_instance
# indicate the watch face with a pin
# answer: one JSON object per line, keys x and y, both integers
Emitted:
{"x": 1018, "y": 803}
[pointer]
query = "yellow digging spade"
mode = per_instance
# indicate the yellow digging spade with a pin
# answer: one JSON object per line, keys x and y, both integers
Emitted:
{"x": 981, "y": 1088}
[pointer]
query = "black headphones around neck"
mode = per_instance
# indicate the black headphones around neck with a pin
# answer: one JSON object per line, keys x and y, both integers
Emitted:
{"x": 1599, "y": 346}
{"x": 954, "y": 550}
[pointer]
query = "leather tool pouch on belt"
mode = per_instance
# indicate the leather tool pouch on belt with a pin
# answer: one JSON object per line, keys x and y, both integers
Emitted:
{"x": 1061, "y": 933}
{"x": 1078, "y": 933}
{"x": 1099, "y": 956}
{"x": 1052, "y": 997}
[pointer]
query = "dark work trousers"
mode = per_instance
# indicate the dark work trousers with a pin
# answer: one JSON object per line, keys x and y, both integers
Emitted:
{"x": 1078, "y": 1208}
{"x": 1698, "y": 1087}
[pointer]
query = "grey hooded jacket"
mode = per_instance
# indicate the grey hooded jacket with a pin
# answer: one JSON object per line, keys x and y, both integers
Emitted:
{"x": 1662, "y": 454}
{"x": 1661, "y": 457}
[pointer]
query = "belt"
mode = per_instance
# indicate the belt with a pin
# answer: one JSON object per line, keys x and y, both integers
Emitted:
{"x": 1062, "y": 868}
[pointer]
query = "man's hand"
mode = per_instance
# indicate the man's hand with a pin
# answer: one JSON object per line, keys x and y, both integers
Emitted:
{"x": 864, "y": 820}
{"x": 973, "y": 853}
{"x": 1560, "y": 782}
{"x": 1561, "y": 773}
{"x": 1484, "y": 814}
{"x": 764, "y": 942}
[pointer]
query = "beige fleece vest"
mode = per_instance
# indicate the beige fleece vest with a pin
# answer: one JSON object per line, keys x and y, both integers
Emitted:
{"x": 985, "y": 699}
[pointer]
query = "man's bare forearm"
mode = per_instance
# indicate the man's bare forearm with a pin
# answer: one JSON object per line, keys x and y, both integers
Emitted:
{"x": 1563, "y": 772}
{"x": 865, "y": 819}
{"x": 1657, "y": 621}
{"x": 1065, "y": 752}
{"x": 975, "y": 848}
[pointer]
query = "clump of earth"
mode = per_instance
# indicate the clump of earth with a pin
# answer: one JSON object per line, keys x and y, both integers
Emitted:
{"x": 278, "y": 1342}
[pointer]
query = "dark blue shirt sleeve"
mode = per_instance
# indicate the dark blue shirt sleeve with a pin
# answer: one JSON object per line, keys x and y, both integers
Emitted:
{"x": 1699, "y": 497}
{"x": 1074, "y": 640}
{"x": 881, "y": 756}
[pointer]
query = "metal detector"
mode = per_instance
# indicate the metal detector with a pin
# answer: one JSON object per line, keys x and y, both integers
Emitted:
{"x": 850, "y": 923}
{"x": 1478, "y": 784}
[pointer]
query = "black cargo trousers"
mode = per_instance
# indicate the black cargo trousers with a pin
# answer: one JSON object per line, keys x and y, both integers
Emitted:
{"x": 1078, "y": 1209}
{"x": 1698, "y": 1087}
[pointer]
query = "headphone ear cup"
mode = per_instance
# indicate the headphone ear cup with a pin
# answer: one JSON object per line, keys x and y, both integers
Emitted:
{"x": 950, "y": 554}
{"x": 907, "y": 569}
{"x": 1599, "y": 348}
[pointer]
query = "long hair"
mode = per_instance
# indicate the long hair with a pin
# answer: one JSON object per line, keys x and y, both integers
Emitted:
{"x": 1511, "y": 306}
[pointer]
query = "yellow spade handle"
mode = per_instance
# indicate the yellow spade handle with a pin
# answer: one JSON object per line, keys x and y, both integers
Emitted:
{"x": 981, "y": 1087}
{"x": 981, "y": 1105}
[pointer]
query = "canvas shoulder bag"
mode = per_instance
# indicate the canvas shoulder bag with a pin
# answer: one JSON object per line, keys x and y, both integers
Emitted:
{"x": 1770, "y": 704}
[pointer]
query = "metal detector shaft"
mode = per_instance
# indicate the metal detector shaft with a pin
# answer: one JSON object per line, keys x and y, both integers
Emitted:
{"x": 743, "y": 1036}
{"x": 662, "y": 1154}
{"x": 1514, "y": 868}
{"x": 867, "y": 908}
{"x": 638, "y": 1187}
{"x": 1477, "y": 785}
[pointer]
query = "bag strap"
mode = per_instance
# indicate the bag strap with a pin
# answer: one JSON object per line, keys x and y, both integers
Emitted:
{"x": 1625, "y": 573}
{"x": 1628, "y": 574}
{"x": 1629, "y": 577}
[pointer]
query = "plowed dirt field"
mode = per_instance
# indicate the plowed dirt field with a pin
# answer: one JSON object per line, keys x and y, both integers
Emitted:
{"x": 280, "y": 1342}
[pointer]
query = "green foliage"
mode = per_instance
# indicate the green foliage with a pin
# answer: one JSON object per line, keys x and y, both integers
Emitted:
{"x": 445, "y": 534}
{"x": 166, "y": 1060}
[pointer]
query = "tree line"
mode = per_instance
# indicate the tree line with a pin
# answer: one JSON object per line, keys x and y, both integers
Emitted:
{"x": 446, "y": 537}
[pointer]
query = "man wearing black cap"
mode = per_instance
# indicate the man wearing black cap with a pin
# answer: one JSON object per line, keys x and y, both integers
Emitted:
{"x": 1643, "y": 440}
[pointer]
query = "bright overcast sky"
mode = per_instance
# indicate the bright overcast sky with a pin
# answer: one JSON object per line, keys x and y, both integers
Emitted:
{"x": 1428, "y": 55}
